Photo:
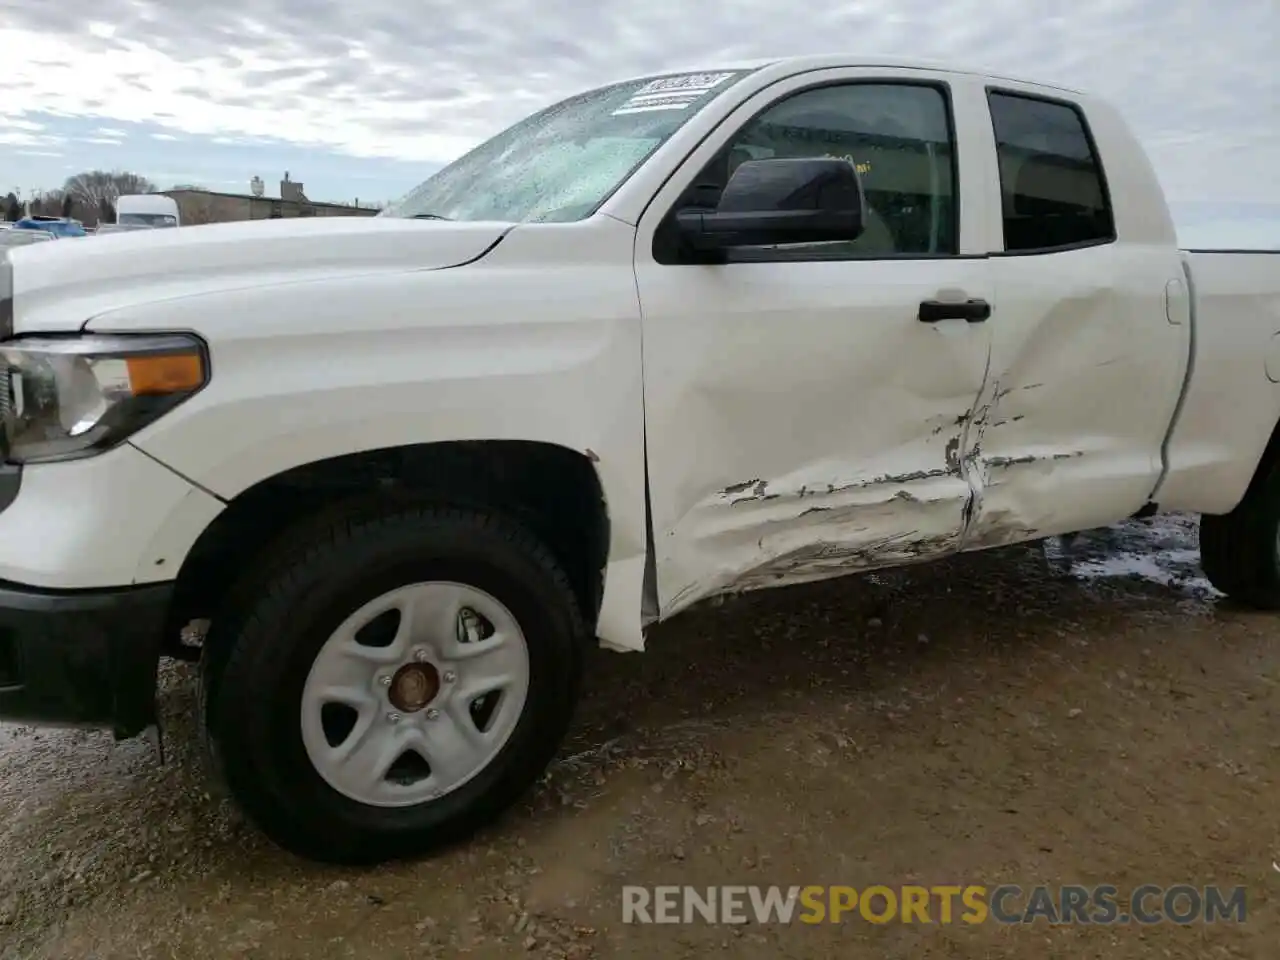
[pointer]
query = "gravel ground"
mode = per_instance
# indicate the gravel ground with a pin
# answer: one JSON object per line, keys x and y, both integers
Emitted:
{"x": 1086, "y": 711}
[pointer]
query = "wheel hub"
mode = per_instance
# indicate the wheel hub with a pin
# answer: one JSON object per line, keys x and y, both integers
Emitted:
{"x": 401, "y": 706}
{"x": 414, "y": 686}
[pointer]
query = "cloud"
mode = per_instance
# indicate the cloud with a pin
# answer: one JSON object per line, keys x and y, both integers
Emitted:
{"x": 11, "y": 136}
{"x": 426, "y": 80}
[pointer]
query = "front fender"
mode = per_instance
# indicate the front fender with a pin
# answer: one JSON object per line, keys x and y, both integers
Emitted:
{"x": 538, "y": 341}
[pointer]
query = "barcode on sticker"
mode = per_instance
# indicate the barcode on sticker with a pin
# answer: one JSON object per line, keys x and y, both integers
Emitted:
{"x": 699, "y": 82}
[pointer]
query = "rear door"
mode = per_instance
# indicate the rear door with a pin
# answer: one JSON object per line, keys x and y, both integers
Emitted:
{"x": 1091, "y": 341}
{"x": 802, "y": 421}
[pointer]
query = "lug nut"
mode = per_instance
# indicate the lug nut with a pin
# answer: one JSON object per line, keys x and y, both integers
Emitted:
{"x": 468, "y": 627}
{"x": 433, "y": 714}
{"x": 393, "y": 717}
{"x": 450, "y": 676}
{"x": 385, "y": 681}
{"x": 420, "y": 655}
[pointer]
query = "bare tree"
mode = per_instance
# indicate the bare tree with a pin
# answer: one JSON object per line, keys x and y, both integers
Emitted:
{"x": 47, "y": 204}
{"x": 93, "y": 186}
{"x": 12, "y": 208}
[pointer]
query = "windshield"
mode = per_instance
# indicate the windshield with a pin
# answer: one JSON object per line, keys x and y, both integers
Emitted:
{"x": 560, "y": 164}
{"x": 149, "y": 219}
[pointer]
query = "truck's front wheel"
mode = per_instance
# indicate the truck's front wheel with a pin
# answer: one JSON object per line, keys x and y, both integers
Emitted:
{"x": 399, "y": 682}
{"x": 1240, "y": 550}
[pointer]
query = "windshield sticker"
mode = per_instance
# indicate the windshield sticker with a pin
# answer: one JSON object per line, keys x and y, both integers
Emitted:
{"x": 672, "y": 93}
{"x": 701, "y": 82}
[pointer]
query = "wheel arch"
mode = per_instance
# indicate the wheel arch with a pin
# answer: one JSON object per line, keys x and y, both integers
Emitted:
{"x": 1267, "y": 463}
{"x": 553, "y": 490}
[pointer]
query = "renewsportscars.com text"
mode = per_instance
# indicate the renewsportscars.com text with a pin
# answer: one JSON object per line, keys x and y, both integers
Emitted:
{"x": 970, "y": 904}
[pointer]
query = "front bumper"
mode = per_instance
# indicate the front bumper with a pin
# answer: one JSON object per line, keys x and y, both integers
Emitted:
{"x": 81, "y": 657}
{"x": 89, "y": 552}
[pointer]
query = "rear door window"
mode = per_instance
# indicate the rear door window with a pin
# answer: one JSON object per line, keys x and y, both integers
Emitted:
{"x": 1052, "y": 187}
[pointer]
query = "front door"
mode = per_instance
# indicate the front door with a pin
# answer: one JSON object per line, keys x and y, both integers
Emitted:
{"x": 802, "y": 420}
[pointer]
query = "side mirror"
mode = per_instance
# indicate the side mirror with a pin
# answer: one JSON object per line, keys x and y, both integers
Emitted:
{"x": 769, "y": 202}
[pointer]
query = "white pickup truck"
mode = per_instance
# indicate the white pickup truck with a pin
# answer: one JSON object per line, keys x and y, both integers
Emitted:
{"x": 680, "y": 336}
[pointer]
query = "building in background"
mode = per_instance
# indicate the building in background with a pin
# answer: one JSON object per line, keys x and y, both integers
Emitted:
{"x": 213, "y": 206}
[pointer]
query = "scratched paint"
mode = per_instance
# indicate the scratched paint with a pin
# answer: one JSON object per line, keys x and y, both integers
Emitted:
{"x": 1084, "y": 377}
{"x": 816, "y": 530}
{"x": 754, "y": 490}
{"x": 804, "y": 424}
{"x": 825, "y": 559}
{"x": 999, "y": 462}
{"x": 858, "y": 464}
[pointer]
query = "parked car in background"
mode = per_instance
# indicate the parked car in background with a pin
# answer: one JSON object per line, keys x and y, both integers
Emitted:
{"x": 19, "y": 238}
{"x": 58, "y": 226}
{"x": 147, "y": 210}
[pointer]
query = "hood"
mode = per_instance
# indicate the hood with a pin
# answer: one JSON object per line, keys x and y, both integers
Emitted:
{"x": 61, "y": 286}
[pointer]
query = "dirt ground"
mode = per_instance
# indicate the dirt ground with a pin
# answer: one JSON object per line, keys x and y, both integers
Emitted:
{"x": 1052, "y": 713}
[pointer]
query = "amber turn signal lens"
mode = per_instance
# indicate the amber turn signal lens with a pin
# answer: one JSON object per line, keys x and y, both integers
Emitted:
{"x": 165, "y": 374}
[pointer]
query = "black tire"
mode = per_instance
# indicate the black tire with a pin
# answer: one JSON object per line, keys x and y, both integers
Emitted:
{"x": 1238, "y": 550}
{"x": 323, "y": 573}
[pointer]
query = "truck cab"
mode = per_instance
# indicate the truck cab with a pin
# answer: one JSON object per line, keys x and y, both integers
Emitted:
{"x": 710, "y": 331}
{"x": 147, "y": 210}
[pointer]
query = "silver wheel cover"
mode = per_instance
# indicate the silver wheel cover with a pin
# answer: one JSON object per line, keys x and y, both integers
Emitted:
{"x": 415, "y": 694}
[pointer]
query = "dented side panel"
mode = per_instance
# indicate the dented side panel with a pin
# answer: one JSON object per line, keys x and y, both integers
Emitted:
{"x": 1086, "y": 371}
{"x": 801, "y": 423}
{"x": 1087, "y": 365}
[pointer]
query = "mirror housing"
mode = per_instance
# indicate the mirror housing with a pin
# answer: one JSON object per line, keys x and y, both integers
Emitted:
{"x": 781, "y": 201}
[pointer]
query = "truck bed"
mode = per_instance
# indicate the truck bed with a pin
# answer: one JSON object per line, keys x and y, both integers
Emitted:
{"x": 1232, "y": 399}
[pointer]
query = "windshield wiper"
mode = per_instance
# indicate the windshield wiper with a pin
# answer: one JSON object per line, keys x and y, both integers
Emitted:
{"x": 429, "y": 216}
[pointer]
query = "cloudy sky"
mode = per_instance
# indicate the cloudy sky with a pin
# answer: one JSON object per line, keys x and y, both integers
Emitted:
{"x": 364, "y": 99}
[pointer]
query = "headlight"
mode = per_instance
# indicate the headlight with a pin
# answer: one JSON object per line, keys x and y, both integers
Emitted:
{"x": 62, "y": 398}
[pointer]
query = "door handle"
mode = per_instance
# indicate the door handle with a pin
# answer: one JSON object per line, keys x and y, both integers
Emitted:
{"x": 971, "y": 311}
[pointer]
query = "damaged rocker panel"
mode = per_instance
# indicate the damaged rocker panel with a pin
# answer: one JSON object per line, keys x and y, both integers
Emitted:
{"x": 827, "y": 560}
